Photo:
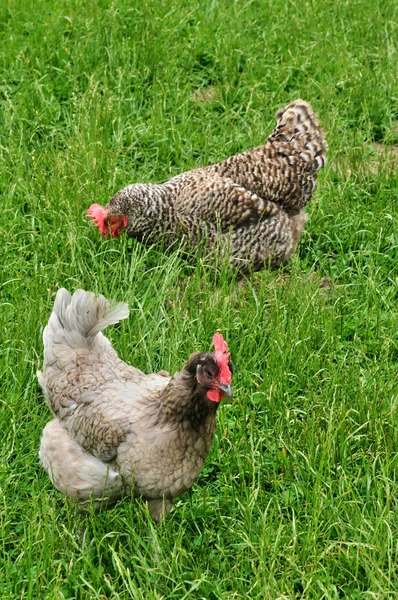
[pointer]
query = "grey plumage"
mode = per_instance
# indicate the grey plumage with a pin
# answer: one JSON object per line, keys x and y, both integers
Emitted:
{"x": 252, "y": 203}
{"x": 116, "y": 427}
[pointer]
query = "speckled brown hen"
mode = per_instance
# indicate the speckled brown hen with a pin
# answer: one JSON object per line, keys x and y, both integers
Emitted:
{"x": 116, "y": 428}
{"x": 252, "y": 204}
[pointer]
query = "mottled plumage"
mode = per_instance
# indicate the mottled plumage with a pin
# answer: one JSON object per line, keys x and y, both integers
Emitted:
{"x": 252, "y": 203}
{"x": 114, "y": 426}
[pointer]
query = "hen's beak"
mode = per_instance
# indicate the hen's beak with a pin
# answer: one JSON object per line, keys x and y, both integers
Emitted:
{"x": 225, "y": 389}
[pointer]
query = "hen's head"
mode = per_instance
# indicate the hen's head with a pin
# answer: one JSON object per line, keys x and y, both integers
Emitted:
{"x": 127, "y": 210}
{"x": 107, "y": 223}
{"x": 213, "y": 370}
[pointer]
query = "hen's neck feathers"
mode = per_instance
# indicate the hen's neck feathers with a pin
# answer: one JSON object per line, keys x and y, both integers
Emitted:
{"x": 184, "y": 401}
{"x": 148, "y": 207}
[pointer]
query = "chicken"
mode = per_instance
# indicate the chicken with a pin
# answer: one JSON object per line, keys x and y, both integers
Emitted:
{"x": 251, "y": 205}
{"x": 115, "y": 427}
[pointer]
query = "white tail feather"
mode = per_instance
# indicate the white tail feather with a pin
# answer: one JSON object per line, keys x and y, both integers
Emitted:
{"x": 76, "y": 321}
{"x": 117, "y": 313}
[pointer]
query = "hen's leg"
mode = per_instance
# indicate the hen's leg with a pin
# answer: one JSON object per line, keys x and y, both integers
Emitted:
{"x": 73, "y": 471}
{"x": 159, "y": 508}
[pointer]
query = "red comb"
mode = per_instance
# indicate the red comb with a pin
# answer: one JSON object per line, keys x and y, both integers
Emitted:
{"x": 97, "y": 214}
{"x": 221, "y": 356}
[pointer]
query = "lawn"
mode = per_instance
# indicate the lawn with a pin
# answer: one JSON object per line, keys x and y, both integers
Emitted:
{"x": 299, "y": 496}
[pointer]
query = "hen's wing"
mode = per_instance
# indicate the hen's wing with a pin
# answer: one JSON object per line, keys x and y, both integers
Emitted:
{"x": 205, "y": 197}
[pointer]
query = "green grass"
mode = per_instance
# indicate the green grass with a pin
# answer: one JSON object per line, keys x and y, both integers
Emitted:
{"x": 298, "y": 498}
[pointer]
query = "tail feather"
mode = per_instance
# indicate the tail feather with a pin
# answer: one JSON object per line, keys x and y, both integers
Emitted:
{"x": 117, "y": 313}
{"x": 77, "y": 320}
{"x": 298, "y": 124}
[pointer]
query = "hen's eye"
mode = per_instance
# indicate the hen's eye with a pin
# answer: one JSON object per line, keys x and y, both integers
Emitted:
{"x": 209, "y": 374}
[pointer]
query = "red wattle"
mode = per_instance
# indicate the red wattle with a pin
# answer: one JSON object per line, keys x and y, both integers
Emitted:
{"x": 214, "y": 395}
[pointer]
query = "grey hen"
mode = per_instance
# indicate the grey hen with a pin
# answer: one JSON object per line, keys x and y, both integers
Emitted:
{"x": 116, "y": 428}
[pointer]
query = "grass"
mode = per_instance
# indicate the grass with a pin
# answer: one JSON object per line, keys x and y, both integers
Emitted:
{"x": 298, "y": 498}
